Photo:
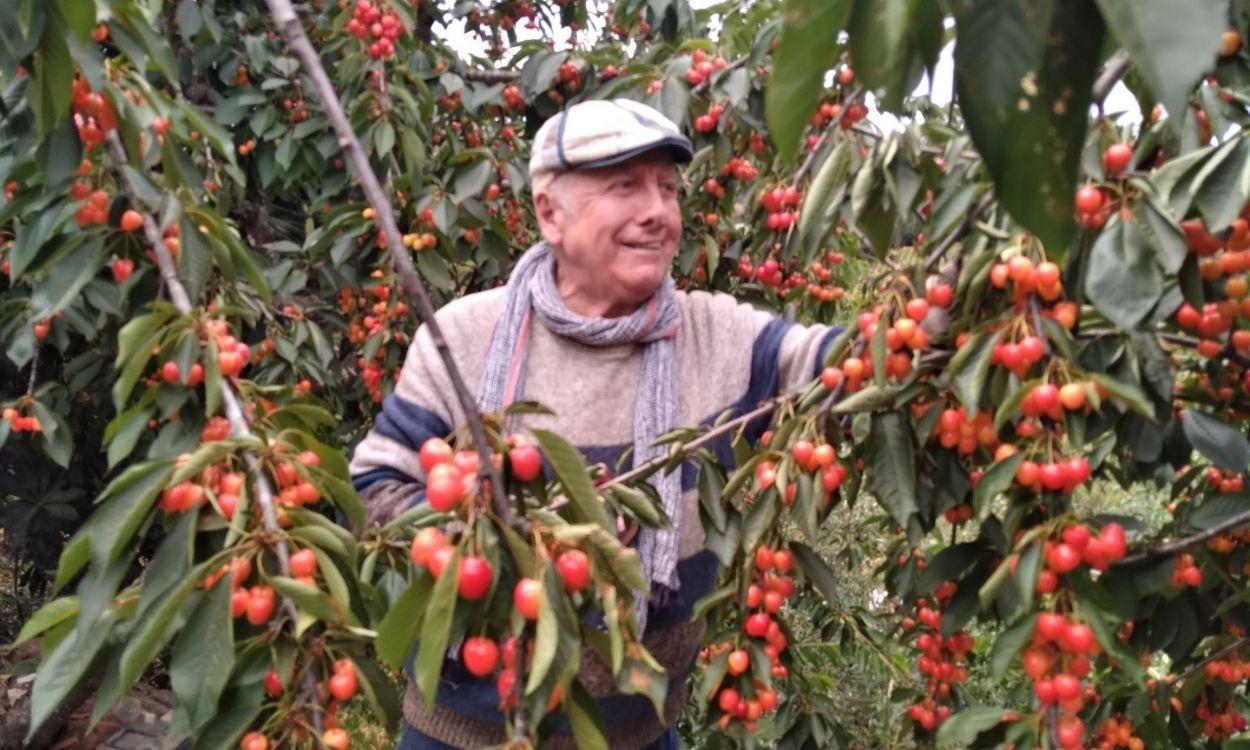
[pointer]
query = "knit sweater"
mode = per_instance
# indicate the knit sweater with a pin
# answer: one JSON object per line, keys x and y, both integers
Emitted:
{"x": 729, "y": 356}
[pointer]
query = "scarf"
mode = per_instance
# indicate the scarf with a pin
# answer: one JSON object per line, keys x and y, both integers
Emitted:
{"x": 531, "y": 292}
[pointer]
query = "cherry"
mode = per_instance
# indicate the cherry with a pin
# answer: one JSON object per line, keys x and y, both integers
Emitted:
{"x": 739, "y": 662}
{"x": 425, "y": 544}
{"x": 335, "y": 738}
{"x": 480, "y": 655}
{"x": 439, "y": 559}
{"x": 1117, "y": 158}
{"x": 131, "y": 220}
{"x": 122, "y": 268}
{"x": 170, "y": 372}
{"x": 940, "y": 295}
{"x": 1089, "y": 200}
{"x": 1061, "y": 558}
{"x": 433, "y": 452}
{"x": 254, "y": 741}
{"x": 727, "y": 700}
{"x": 343, "y": 685}
{"x": 574, "y": 569}
{"x": 273, "y": 684}
{"x": 526, "y": 461}
{"x": 1050, "y": 626}
{"x": 260, "y": 605}
{"x": 444, "y": 487}
{"x": 1077, "y": 638}
{"x": 475, "y": 578}
{"x": 526, "y": 597}
{"x": 757, "y": 625}
{"x": 303, "y": 563}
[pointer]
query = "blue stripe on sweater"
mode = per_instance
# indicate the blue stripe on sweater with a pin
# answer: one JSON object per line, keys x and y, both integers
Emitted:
{"x": 407, "y": 423}
{"x": 366, "y": 480}
{"x": 826, "y": 341}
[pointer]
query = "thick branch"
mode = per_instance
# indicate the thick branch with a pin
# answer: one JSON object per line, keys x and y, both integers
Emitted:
{"x": 234, "y": 413}
{"x": 287, "y": 20}
{"x": 1184, "y": 543}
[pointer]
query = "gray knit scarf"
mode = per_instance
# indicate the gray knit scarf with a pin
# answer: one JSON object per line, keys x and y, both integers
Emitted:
{"x": 531, "y": 290}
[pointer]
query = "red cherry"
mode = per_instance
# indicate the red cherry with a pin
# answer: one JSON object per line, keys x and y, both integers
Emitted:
{"x": 1050, "y": 626}
{"x": 273, "y": 684}
{"x": 757, "y": 625}
{"x": 122, "y": 268}
{"x": 1061, "y": 558}
{"x": 444, "y": 488}
{"x": 1089, "y": 200}
{"x": 917, "y": 309}
{"x": 303, "y": 563}
{"x": 433, "y": 452}
{"x": 527, "y": 462}
{"x": 170, "y": 372}
{"x": 940, "y": 295}
{"x": 480, "y": 655}
{"x": 728, "y": 700}
{"x": 343, "y": 685}
{"x": 1077, "y": 638}
{"x": 131, "y": 220}
{"x": 802, "y": 452}
{"x": 739, "y": 662}
{"x": 439, "y": 559}
{"x": 574, "y": 569}
{"x": 475, "y": 578}
{"x": 763, "y": 558}
{"x": 260, "y": 603}
{"x": 1045, "y": 397}
{"x": 425, "y": 544}
{"x": 1117, "y": 158}
{"x": 526, "y": 597}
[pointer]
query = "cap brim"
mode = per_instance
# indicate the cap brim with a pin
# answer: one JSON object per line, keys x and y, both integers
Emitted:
{"x": 677, "y": 146}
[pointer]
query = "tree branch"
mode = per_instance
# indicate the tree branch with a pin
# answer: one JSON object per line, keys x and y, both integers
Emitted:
{"x": 239, "y": 425}
{"x": 960, "y": 231}
{"x": 1213, "y": 656}
{"x": 297, "y": 40}
{"x": 491, "y": 76}
{"x": 1184, "y": 543}
{"x": 1109, "y": 77}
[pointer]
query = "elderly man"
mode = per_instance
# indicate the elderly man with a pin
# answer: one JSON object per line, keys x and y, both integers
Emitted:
{"x": 590, "y": 325}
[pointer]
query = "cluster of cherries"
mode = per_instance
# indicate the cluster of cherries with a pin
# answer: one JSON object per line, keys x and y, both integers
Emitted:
{"x": 706, "y": 123}
{"x": 955, "y": 430}
{"x": 1117, "y": 732}
{"x": 19, "y": 422}
{"x": 94, "y": 208}
{"x": 1094, "y": 204}
{"x": 739, "y": 168}
{"x": 1221, "y": 721}
{"x": 377, "y": 29}
{"x": 941, "y": 659}
{"x": 701, "y": 68}
{"x": 93, "y": 114}
{"x": 782, "y": 205}
{"x": 740, "y": 697}
{"x": 1026, "y": 278}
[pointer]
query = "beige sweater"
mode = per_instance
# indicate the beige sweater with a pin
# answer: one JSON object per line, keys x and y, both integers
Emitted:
{"x": 729, "y": 355}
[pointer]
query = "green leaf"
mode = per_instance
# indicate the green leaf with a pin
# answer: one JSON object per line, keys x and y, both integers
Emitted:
{"x": 124, "y": 504}
{"x": 570, "y": 469}
{"x": 52, "y": 77}
{"x": 1023, "y": 75}
{"x": 817, "y": 571}
{"x": 1122, "y": 279}
{"x": 436, "y": 630}
{"x": 67, "y": 278}
{"x": 1132, "y": 396}
{"x": 46, "y": 617}
{"x": 995, "y": 480}
{"x": 310, "y": 599}
{"x": 547, "y": 632}
{"x": 891, "y": 467}
{"x": 1217, "y": 510}
{"x": 1225, "y": 445}
{"x": 153, "y": 632}
{"x": 1171, "y": 53}
{"x": 807, "y": 48}
{"x": 833, "y": 171}
{"x": 398, "y": 629}
{"x": 971, "y": 366}
{"x": 1009, "y": 643}
{"x": 880, "y": 47}
{"x": 948, "y": 565}
{"x": 869, "y": 398}
{"x": 711, "y": 487}
{"x": 204, "y": 656}
{"x": 62, "y": 669}
{"x": 963, "y": 727}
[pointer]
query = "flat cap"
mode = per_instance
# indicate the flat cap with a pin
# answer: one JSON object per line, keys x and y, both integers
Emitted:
{"x": 600, "y": 133}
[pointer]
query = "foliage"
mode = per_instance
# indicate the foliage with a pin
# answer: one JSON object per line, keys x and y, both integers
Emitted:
{"x": 1049, "y": 298}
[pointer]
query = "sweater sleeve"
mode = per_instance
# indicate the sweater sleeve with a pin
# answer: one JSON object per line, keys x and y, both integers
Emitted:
{"x": 385, "y": 468}
{"x": 801, "y": 355}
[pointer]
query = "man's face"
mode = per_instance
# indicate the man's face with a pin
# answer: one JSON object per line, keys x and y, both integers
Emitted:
{"x": 615, "y": 231}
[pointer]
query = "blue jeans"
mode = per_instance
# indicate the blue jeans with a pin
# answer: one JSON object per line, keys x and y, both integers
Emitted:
{"x": 414, "y": 740}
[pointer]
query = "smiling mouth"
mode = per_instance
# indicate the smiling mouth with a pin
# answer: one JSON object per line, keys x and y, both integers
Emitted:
{"x": 647, "y": 246}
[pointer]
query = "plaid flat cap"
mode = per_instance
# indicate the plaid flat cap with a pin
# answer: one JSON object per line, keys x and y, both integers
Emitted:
{"x": 599, "y": 133}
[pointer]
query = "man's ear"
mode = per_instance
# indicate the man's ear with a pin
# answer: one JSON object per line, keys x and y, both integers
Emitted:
{"x": 551, "y": 217}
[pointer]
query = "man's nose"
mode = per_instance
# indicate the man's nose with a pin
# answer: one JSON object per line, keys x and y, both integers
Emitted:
{"x": 652, "y": 203}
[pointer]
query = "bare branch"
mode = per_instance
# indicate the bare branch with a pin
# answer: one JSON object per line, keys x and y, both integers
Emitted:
{"x": 1184, "y": 543}
{"x": 1115, "y": 69}
{"x": 960, "y": 231}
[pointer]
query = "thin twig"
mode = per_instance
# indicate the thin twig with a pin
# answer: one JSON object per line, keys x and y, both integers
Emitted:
{"x": 960, "y": 231}
{"x": 1111, "y": 74}
{"x": 1213, "y": 656}
{"x": 491, "y": 76}
{"x": 34, "y": 371}
{"x": 239, "y": 425}
{"x": 297, "y": 40}
{"x": 763, "y": 409}
{"x": 1184, "y": 543}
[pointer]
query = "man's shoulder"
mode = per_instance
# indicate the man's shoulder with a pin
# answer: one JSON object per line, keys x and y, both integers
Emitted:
{"x": 474, "y": 307}
{"x": 719, "y": 312}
